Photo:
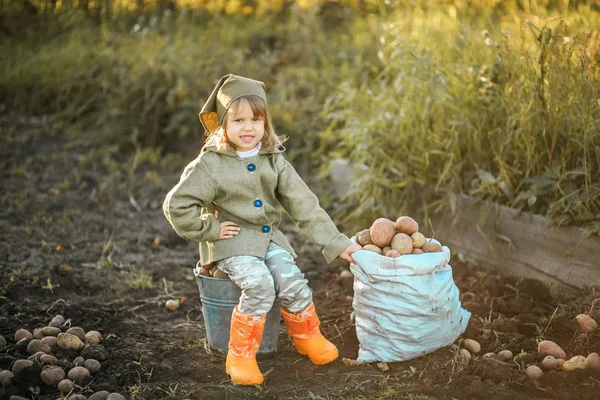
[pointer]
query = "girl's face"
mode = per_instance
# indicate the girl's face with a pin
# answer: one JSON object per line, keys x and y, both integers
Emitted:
{"x": 242, "y": 128}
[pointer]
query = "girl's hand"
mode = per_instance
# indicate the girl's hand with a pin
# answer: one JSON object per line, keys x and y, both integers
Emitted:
{"x": 228, "y": 230}
{"x": 346, "y": 254}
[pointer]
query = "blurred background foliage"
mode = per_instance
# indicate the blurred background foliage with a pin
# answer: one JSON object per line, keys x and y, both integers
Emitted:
{"x": 427, "y": 99}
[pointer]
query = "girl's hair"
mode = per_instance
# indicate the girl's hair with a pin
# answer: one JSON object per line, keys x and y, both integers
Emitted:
{"x": 270, "y": 139}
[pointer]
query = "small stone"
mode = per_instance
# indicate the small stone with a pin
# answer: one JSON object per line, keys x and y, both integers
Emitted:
{"x": 2, "y": 342}
{"x": 50, "y": 331}
{"x": 22, "y": 334}
{"x": 115, "y": 396}
{"x": 37, "y": 345}
{"x": 93, "y": 337}
{"x": 65, "y": 386}
{"x": 78, "y": 374}
{"x": 52, "y": 376}
{"x": 68, "y": 341}
{"x": 101, "y": 395}
{"x": 20, "y": 365}
{"x": 57, "y": 321}
{"x": 48, "y": 359}
{"x": 6, "y": 376}
{"x": 473, "y": 346}
{"x": 50, "y": 341}
{"x": 577, "y": 362}
{"x": 79, "y": 361}
{"x": 95, "y": 351}
{"x": 92, "y": 365}
{"x": 77, "y": 331}
{"x": 534, "y": 372}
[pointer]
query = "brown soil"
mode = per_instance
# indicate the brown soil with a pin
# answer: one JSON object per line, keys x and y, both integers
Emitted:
{"x": 83, "y": 236}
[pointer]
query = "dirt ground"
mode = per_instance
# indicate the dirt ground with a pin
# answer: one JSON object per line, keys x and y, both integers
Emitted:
{"x": 83, "y": 235}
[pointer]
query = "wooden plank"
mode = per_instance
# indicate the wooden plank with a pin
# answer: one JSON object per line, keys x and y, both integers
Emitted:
{"x": 519, "y": 243}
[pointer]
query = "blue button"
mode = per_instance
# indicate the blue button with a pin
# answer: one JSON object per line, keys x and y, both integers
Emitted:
{"x": 257, "y": 203}
{"x": 266, "y": 229}
{"x": 251, "y": 167}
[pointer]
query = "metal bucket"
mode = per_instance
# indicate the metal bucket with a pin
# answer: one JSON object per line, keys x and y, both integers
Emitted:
{"x": 219, "y": 297}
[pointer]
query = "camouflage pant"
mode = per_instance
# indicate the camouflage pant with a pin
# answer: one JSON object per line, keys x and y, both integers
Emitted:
{"x": 263, "y": 280}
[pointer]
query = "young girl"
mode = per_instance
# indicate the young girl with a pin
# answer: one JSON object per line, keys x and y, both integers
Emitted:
{"x": 240, "y": 181}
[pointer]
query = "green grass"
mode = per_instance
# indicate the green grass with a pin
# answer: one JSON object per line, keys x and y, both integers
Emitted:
{"x": 415, "y": 94}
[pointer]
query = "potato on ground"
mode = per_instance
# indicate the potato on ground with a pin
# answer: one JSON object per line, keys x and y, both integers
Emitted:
{"x": 382, "y": 231}
{"x": 402, "y": 243}
{"x": 407, "y": 225}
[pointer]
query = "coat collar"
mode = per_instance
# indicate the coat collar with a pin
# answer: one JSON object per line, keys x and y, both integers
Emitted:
{"x": 230, "y": 152}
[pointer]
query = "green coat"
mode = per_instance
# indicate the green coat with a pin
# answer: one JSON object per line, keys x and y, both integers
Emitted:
{"x": 253, "y": 192}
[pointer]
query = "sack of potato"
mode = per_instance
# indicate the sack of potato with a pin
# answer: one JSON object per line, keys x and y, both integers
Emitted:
{"x": 405, "y": 302}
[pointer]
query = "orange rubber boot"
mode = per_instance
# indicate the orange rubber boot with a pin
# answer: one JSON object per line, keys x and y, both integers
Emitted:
{"x": 304, "y": 329}
{"x": 244, "y": 340}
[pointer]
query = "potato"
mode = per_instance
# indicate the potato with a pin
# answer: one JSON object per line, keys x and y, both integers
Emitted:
{"x": 577, "y": 362}
{"x": 204, "y": 272}
{"x": 406, "y": 225}
{"x": 92, "y": 365}
{"x": 102, "y": 395}
{"x": 52, "y": 376}
{"x": 213, "y": 270}
{"x": 364, "y": 237}
{"x": 51, "y": 341}
{"x": 78, "y": 374}
{"x": 534, "y": 372}
{"x": 77, "y": 331}
{"x": 48, "y": 359}
{"x": 393, "y": 254}
{"x": 50, "y": 331}
{"x": 220, "y": 274}
{"x": 20, "y": 365}
{"x": 373, "y": 248}
{"x": 593, "y": 362}
{"x": 418, "y": 240}
{"x": 473, "y": 346}
{"x": 93, "y": 337}
{"x": 464, "y": 355}
{"x": 69, "y": 342}
{"x": 172, "y": 304}
{"x": 417, "y": 251}
{"x": 549, "y": 362}
{"x": 505, "y": 355}
{"x": 402, "y": 243}
{"x": 65, "y": 386}
{"x": 57, "y": 321}
{"x": 115, "y": 396}
{"x": 382, "y": 231}
{"x": 559, "y": 363}
{"x": 432, "y": 247}
{"x": 549, "y": 348}
{"x": 37, "y": 345}
{"x": 386, "y": 249}
{"x": 6, "y": 376}
{"x": 22, "y": 334}
{"x": 586, "y": 323}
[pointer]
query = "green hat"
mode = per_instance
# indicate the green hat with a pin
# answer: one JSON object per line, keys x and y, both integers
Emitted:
{"x": 229, "y": 88}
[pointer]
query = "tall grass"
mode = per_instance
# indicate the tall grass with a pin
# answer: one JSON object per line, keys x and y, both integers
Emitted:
{"x": 428, "y": 99}
{"x": 510, "y": 113}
